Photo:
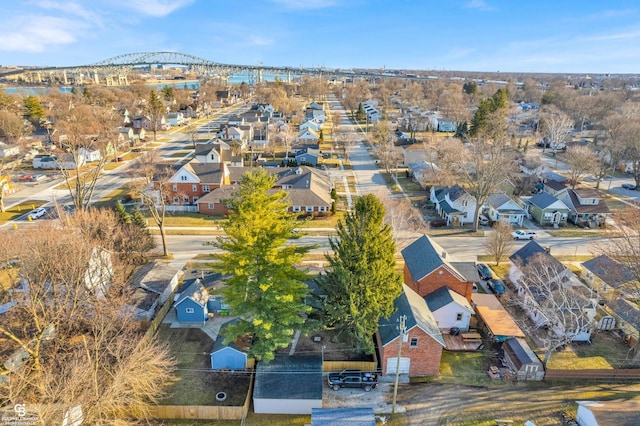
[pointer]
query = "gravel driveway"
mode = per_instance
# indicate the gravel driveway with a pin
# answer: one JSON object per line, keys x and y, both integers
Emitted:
{"x": 380, "y": 399}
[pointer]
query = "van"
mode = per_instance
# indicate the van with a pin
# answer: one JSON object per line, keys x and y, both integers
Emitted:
{"x": 483, "y": 220}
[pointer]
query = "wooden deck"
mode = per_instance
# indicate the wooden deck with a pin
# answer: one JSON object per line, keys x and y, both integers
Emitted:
{"x": 459, "y": 344}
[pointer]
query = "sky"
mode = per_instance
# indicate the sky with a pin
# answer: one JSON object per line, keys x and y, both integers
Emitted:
{"x": 560, "y": 36}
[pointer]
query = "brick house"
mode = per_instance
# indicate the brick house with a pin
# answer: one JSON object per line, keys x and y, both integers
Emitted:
{"x": 422, "y": 342}
{"x": 427, "y": 269}
{"x": 194, "y": 180}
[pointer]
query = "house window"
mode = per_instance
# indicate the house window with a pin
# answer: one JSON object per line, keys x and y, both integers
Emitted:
{"x": 189, "y": 310}
{"x": 296, "y": 208}
{"x": 194, "y": 188}
{"x": 211, "y": 206}
{"x": 185, "y": 200}
{"x": 175, "y": 187}
{"x": 195, "y": 199}
{"x": 464, "y": 203}
{"x": 414, "y": 342}
{"x": 205, "y": 188}
{"x": 183, "y": 177}
{"x": 176, "y": 200}
{"x": 459, "y": 316}
{"x": 322, "y": 208}
{"x": 309, "y": 209}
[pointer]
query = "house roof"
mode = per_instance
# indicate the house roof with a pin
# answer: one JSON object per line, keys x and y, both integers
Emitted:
{"x": 619, "y": 412}
{"x": 212, "y": 173}
{"x": 526, "y": 254}
{"x": 468, "y": 270}
{"x": 454, "y": 192}
{"x": 417, "y": 313}
{"x": 241, "y": 344}
{"x": 143, "y": 299}
{"x": 549, "y": 175}
{"x": 343, "y": 417}
{"x": 601, "y": 207}
{"x": 612, "y": 272}
{"x": 626, "y": 310}
{"x": 154, "y": 277}
{"x": 289, "y": 377}
{"x": 218, "y": 195}
{"x": 196, "y": 292}
{"x": 499, "y": 199}
{"x": 423, "y": 256}
{"x": 556, "y": 185}
{"x": 543, "y": 200}
{"x": 521, "y": 351}
{"x": 444, "y": 296}
{"x": 495, "y": 317}
{"x": 447, "y": 208}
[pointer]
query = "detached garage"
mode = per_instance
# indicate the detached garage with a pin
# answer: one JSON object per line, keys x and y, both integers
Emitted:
{"x": 392, "y": 363}
{"x": 288, "y": 385}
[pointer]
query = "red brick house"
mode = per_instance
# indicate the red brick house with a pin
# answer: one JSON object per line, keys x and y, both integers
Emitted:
{"x": 194, "y": 180}
{"x": 427, "y": 269}
{"x": 422, "y": 343}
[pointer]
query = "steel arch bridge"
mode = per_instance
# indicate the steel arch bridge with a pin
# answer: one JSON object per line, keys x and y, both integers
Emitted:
{"x": 114, "y": 71}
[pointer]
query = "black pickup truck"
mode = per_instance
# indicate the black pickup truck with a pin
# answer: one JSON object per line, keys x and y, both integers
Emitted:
{"x": 353, "y": 379}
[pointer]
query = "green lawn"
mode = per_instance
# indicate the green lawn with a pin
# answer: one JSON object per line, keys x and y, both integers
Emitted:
{"x": 19, "y": 210}
{"x": 465, "y": 368}
{"x": 605, "y": 351}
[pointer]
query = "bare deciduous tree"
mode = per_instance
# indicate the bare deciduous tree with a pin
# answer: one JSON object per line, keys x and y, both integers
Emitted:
{"x": 555, "y": 125}
{"x": 582, "y": 161}
{"x": 559, "y": 307}
{"x": 499, "y": 241}
{"x": 79, "y": 345}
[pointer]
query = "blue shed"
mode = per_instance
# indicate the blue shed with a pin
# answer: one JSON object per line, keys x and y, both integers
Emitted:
{"x": 233, "y": 355}
{"x": 191, "y": 305}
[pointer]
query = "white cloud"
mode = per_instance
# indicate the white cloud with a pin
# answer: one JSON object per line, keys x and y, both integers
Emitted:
{"x": 305, "y": 4}
{"x": 156, "y": 8}
{"x": 255, "y": 40}
{"x": 36, "y": 34}
{"x": 70, "y": 8}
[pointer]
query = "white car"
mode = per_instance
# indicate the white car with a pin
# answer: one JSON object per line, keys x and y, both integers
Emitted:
{"x": 37, "y": 213}
{"x": 523, "y": 235}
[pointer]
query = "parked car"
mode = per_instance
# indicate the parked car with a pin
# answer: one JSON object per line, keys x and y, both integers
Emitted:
{"x": 351, "y": 378}
{"x": 629, "y": 186}
{"x": 25, "y": 178}
{"x": 496, "y": 286}
{"x": 437, "y": 223}
{"x": 484, "y": 271}
{"x": 37, "y": 213}
{"x": 483, "y": 220}
{"x": 523, "y": 235}
{"x": 38, "y": 178}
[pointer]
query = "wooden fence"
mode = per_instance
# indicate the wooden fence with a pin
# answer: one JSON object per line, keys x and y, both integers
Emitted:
{"x": 329, "y": 366}
{"x": 602, "y": 374}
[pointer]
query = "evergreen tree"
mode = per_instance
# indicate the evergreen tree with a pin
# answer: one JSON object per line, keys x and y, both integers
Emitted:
{"x": 155, "y": 109}
{"x": 121, "y": 213}
{"x": 360, "y": 114}
{"x": 497, "y": 102}
{"x": 265, "y": 289}
{"x": 361, "y": 282}
{"x": 138, "y": 219}
{"x": 34, "y": 111}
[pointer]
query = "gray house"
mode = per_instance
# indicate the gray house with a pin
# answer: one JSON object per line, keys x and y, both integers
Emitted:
{"x": 288, "y": 385}
{"x": 500, "y": 206}
{"x": 548, "y": 210}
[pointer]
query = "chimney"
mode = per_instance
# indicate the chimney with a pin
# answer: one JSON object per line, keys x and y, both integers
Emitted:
{"x": 444, "y": 254}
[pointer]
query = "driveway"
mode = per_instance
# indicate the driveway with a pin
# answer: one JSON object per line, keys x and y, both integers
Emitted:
{"x": 380, "y": 399}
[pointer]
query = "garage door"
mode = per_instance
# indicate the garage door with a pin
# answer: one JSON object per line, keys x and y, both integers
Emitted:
{"x": 405, "y": 363}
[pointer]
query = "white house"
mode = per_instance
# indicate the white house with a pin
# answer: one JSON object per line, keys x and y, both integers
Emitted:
{"x": 308, "y": 136}
{"x": 450, "y": 309}
{"x": 551, "y": 295}
{"x": 90, "y": 155}
{"x": 7, "y": 150}
{"x": 500, "y": 206}
{"x": 618, "y": 412}
{"x": 453, "y": 204}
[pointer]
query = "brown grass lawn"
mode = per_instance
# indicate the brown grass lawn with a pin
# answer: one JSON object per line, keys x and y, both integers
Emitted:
{"x": 196, "y": 383}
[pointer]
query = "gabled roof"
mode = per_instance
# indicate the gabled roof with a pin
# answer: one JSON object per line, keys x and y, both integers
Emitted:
{"x": 544, "y": 200}
{"x": 523, "y": 256}
{"x": 556, "y": 185}
{"x": 241, "y": 344}
{"x": 454, "y": 192}
{"x": 500, "y": 199}
{"x": 343, "y": 417}
{"x": 212, "y": 173}
{"x": 444, "y": 296}
{"x": 196, "y": 292}
{"x": 519, "y": 348}
{"x": 626, "y": 310}
{"x": 423, "y": 256}
{"x": 417, "y": 313}
{"x": 600, "y": 207}
{"x": 468, "y": 270}
{"x": 612, "y": 272}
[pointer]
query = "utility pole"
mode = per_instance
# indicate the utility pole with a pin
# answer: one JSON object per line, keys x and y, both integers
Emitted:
{"x": 400, "y": 341}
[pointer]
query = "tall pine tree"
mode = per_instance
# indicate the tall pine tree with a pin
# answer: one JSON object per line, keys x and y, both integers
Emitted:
{"x": 265, "y": 289}
{"x": 361, "y": 282}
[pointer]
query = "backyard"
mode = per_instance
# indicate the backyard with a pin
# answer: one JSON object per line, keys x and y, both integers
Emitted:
{"x": 196, "y": 383}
